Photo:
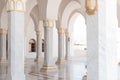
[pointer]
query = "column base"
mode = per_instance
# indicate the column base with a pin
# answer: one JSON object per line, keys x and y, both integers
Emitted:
{"x": 3, "y": 60}
{"x": 67, "y": 58}
{"x": 38, "y": 59}
{"x": 48, "y": 68}
{"x": 16, "y": 77}
{"x": 60, "y": 61}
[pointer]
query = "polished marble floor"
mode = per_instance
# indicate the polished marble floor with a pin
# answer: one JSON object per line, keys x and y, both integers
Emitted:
{"x": 74, "y": 69}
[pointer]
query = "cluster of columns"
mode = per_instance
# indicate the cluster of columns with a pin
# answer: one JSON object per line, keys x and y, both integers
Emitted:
{"x": 63, "y": 45}
{"x": 101, "y": 42}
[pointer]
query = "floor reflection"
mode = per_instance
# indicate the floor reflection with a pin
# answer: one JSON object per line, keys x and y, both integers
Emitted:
{"x": 72, "y": 70}
{"x": 3, "y": 71}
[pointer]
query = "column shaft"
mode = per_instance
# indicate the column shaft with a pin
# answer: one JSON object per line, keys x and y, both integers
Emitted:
{"x": 67, "y": 56}
{"x": 101, "y": 42}
{"x": 15, "y": 40}
{"x": 39, "y": 46}
{"x": 48, "y": 55}
{"x": 61, "y": 46}
{"x": 3, "y": 56}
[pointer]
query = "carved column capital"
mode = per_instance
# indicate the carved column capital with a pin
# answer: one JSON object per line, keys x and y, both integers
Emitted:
{"x": 67, "y": 34}
{"x": 38, "y": 32}
{"x": 48, "y": 23}
{"x": 91, "y": 6}
{"x": 61, "y": 30}
{"x": 3, "y": 31}
{"x": 15, "y": 5}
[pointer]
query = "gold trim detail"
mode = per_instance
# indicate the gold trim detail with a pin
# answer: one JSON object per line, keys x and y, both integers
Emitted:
{"x": 48, "y": 68}
{"x": 61, "y": 30}
{"x": 67, "y": 58}
{"x": 48, "y": 23}
{"x": 38, "y": 59}
{"x": 38, "y": 32}
{"x": 60, "y": 61}
{"x": 91, "y": 6}
{"x": 3, "y": 31}
{"x": 67, "y": 34}
{"x": 3, "y": 60}
{"x": 15, "y": 5}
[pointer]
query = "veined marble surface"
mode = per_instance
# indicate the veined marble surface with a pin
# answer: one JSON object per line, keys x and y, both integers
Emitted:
{"x": 74, "y": 69}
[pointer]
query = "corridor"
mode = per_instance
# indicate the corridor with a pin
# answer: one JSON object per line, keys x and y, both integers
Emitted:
{"x": 74, "y": 69}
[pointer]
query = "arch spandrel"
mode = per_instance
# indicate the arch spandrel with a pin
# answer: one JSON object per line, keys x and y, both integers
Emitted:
{"x": 2, "y": 5}
{"x": 52, "y": 9}
{"x": 35, "y": 15}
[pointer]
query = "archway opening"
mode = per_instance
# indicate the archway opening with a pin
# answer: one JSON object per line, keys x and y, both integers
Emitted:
{"x": 32, "y": 46}
{"x": 79, "y": 35}
{"x": 78, "y": 30}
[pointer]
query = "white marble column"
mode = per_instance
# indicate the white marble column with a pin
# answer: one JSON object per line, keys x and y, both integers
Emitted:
{"x": 15, "y": 10}
{"x": 39, "y": 46}
{"x": 67, "y": 55}
{"x": 3, "y": 56}
{"x": 48, "y": 54}
{"x": 101, "y": 42}
{"x": 61, "y": 46}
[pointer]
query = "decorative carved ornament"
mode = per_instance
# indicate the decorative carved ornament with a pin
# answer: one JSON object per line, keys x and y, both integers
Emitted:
{"x": 61, "y": 30}
{"x": 67, "y": 34}
{"x": 15, "y": 5}
{"x": 48, "y": 23}
{"x": 3, "y": 31}
{"x": 91, "y": 6}
{"x": 38, "y": 32}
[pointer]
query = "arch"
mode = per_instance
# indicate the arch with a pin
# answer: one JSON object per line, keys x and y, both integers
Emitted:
{"x": 32, "y": 45}
{"x": 70, "y": 28}
{"x": 2, "y": 10}
{"x": 42, "y": 5}
{"x": 54, "y": 5}
{"x": 35, "y": 15}
{"x": 73, "y": 13}
{"x": 2, "y": 5}
{"x": 63, "y": 5}
{"x": 73, "y": 5}
{"x": 30, "y": 4}
{"x": 4, "y": 17}
{"x": 71, "y": 21}
{"x": 45, "y": 7}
